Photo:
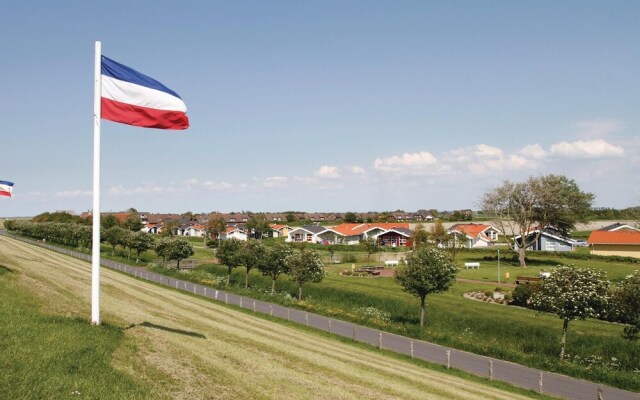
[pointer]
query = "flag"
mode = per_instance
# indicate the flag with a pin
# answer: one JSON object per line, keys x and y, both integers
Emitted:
{"x": 132, "y": 98}
{"x": 6, "y": 188}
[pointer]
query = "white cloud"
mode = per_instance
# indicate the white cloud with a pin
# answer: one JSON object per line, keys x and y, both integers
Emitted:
{"x": 74, "y": 193}
{"x": 123, "y": 191}
{"x": 211, "y": 185}
{"x": 275, "y": 181}
{"x": 534, "y": 151}
{"x": 407, "y": 163}
{"x": 356, "y": 170}
{"x": 586, "y": 149}
{"x": 483, "y": 150}
{"x": 482, "y": 159}
{"x": 599, "y": 127}
{"x": 327, "y": 172}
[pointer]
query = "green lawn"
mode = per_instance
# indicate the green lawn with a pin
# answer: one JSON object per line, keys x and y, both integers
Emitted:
{"x": 52, "y": 357}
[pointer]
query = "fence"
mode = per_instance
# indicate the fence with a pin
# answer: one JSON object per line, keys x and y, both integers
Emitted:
{"x": 528, "y": 378}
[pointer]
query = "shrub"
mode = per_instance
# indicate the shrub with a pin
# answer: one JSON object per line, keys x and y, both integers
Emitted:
{"x": 488, "y": 293}
{"x": 348, "y": 258}
{"x": 521, "y": 294}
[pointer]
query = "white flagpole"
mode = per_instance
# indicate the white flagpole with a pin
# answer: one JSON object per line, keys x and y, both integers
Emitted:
{"x": 95, "y": 248}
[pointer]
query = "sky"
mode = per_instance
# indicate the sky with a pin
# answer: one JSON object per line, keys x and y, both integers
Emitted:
{"x": 323, "y": 105}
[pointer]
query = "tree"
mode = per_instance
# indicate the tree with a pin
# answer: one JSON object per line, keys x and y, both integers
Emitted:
{"x": 439, "y": 234}
{"x": 253, "y": 252}
{"x": 161, "y": 248}
{"x": 572, "y": 293}
{"x": 626, "y": 304}
{"x": 141, "y": 242}
{"x": 109, "y": 221}
{"x": 350, "y": 217}
{"x": 370, "y": 246}
{"x": 178, "y": 250}
{"x": 112, "y": 236}
{"x": 291, "y": 218}
{"x": 125, "y": 239}
{"x": 273, "y": 263}
{"x": 215, "y": 226}
{"x": 420, "y": 235}
{"x": 545, "y": 201}
{"x": 428, "y": 270}
{"x": 229, "y": 253}
{"x": 169, "y": 227}
{"x": 133, "y": 221}
{"x": 305, "y": 266}
{"x": 258, "y": 224}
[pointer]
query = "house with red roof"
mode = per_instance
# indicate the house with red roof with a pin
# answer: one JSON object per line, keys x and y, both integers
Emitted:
{"x": 233, "y": 232}
{"x": 476, "y": 235}
{"x": 353, "y": 233}
{"x": 624, "y": 243}
{"x": 280, "y": 230}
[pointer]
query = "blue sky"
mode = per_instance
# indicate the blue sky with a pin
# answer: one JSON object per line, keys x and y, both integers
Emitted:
{"x": 322, "y": 105}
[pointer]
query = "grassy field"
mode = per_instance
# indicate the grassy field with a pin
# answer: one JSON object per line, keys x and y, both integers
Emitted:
{"x": 159, "y": 343}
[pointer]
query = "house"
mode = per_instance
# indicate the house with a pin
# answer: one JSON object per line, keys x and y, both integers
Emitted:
{"x": 233, "y": 232}
{"x": 624, "y": 243}
{"x": 353, "y": 233}
{"x": 619, "y": 226}
{"x": 313, "y": 234}
{"x": 195, "y": 230}
{"x": 548, "y": 239}
{"x": 476, "y": 235}
{"x": 280, "y": 230}
{"x": 395, "y": 237}
{"x": 153, "y": 228}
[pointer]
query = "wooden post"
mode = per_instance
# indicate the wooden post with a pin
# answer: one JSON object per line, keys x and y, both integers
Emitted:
{"x": 271, "y": 310}
{"x": 240, "y": 302}
{"x": 354, "y": 333}
{"x": 600, "y": 393}
{"x": 490, "y": 370}
{"x": 380, "y": 340}
{"x": 254, "y": 306}
{"x": 226, "y": 298}
{"x": 330, "y": 326}
{"x": 448, "y": 359}
{"x": 306, "y": 319}
{"x": 288, "y": 314}
{"x": 215, "y": 296}
{"x": 411, "y": 348}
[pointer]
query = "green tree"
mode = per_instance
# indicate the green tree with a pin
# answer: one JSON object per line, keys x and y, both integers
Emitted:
{"x": 420, "y": 235}
{"x": 178, "y": 250}
{"x": 626, "y": 304}
{"x": 109, "y": 221}
{"x": 169, "y": 227}
{"x": 112, "y": 236}
{"x": 428, "y": 270}
{"x": 257, "y": 224}
{"x": 350, "y": 217}
{"x": 273, "y": 263}
{"x": 291, "y": 218}
{"x": 572, "y": 293}
{"x": 305, "y": 266}
{"x": 439, "y": 234}
{"x": 215, "y": 226}
{"x": 371, "y": 246}
{"x": 161, "y": 248}
{"x": 125, "y": 239}
{"x": 518, "y": 209}
{"x": 253, "y": 252}
{"x": 133, "y": 221}
{"x": 141, "y": 242}
{"x": 229, "y": 253}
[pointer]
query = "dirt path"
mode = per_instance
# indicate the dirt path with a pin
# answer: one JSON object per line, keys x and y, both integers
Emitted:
{"x": 192, "y": 348}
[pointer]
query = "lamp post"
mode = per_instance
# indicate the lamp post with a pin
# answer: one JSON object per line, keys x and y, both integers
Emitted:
{"x": 499, "y": 266}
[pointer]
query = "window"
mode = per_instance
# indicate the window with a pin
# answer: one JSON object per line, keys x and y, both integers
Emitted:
{"x": 309, "y": 237}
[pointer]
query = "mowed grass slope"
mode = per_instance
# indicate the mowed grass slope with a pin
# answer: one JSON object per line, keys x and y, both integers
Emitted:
{"x": 164, "y": 344}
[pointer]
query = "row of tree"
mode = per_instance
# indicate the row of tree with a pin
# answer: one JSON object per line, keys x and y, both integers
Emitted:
{"x": 73, "y": 234}
{"x": 272, "y": 261}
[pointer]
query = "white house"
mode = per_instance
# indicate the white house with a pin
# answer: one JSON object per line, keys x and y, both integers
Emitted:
{"x": 233, "y": 232}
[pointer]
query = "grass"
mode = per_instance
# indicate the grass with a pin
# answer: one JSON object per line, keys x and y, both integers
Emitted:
{"x": 181, "y": 346}
{"x": 509, "y": 333}
{"x": 50, "y": 357}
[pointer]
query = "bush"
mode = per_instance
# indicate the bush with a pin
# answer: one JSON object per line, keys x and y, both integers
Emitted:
{"x": 508, "y": 296}
{"x": 488, "y": 293}
{"x": 348, "y": 258}
{"x": 521, "y": 295}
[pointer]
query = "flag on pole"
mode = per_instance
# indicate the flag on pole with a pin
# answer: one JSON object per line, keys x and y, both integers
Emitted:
{"x": 132, "y": 98}
{"x": 6, "y": 188}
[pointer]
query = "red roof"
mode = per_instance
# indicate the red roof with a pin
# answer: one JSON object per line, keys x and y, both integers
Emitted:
{"x": 471, "y": 230}
{"x": 614, "y": 237}
{"x": 350, "y": 229}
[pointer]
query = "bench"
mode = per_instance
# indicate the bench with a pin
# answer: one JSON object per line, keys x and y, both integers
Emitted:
{"x": 390, "y": 263}
{"x": 527, "y": 280}
{"x": 472, "y": 265}
{"x": 370, "y": 270}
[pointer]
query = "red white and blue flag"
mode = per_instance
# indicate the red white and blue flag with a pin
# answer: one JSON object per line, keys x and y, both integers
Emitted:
{"x": 132, "y": 98}
{"x": 6, "y": 188}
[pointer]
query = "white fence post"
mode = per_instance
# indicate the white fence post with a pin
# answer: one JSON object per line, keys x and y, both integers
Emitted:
{"x": 411, "y": 348}
{"x": 448, "y": 359}
{"x": 330, "y": 326}
{"x": 540, "y": 382}
{"x": 490, "y": 370}
{"x": 271, "y": 310}
{"x": 380, "y": 340}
